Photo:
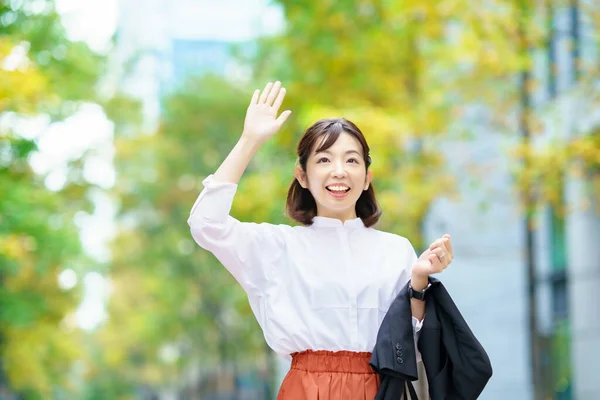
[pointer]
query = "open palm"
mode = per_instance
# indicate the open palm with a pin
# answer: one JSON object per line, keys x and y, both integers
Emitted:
{"x": 261, "y": 120}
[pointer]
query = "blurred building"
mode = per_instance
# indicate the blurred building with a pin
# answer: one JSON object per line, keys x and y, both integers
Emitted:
{"x": 489, "y": 278}
{"x": 191, "y": 57}
{"x": 160, "y": 43}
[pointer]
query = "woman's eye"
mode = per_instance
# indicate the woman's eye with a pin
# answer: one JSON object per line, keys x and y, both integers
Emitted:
{"x": 323, "y": 159}
{"x": 354, "y": 160}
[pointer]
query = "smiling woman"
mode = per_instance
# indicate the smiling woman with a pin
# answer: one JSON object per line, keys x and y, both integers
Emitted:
{"x": 333, "y": 177}
{"x": 319, "y": 291}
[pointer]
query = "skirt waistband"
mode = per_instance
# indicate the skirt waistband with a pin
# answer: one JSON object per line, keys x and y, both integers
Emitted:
{"x": 332, "y": 361}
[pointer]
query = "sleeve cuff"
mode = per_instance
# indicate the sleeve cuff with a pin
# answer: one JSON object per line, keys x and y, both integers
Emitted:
{"x": 209, "y": 182}
{"x": 417, "y": 325}
{"x": 216, "y": 199}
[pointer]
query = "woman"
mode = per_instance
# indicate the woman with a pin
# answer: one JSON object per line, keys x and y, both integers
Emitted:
{"x": 319, "y": 291}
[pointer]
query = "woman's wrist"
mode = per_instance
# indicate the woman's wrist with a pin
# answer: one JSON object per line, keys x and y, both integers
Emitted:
{"x": 419, "y": 282}
{"x": 251, "y": 143}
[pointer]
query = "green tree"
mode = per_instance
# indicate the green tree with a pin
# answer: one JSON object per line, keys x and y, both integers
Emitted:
{"x": 43, "y": 73}
{"x": 174, "y": 307}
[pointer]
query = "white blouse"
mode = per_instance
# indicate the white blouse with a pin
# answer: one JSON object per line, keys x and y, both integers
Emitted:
{"x": 322, "y": 287}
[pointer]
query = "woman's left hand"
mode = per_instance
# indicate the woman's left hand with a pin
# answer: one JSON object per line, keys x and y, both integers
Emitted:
{"x": 435, "y": 259}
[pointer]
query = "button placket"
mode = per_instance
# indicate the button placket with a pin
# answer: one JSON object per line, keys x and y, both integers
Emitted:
{"x": 350, "y": 282}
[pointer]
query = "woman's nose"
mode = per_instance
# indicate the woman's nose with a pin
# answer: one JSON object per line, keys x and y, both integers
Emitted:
{"x": 339, "y": 169}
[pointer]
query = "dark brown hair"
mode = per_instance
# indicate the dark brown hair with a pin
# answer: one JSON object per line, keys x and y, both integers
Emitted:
{"x": 301, "y": 205}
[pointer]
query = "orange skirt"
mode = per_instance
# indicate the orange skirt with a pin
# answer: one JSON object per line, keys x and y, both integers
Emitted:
{"x": 329, "y": 375}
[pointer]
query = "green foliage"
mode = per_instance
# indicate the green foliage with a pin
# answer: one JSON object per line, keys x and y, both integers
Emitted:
{"x": 37, "y": 241}
{"x": 67, "y": 71}
{"x": 47, "y": 74}
{"x": 167, "y": 294}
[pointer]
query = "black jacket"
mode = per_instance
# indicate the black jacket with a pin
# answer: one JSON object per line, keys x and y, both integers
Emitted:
{"x": 456, "y": 365}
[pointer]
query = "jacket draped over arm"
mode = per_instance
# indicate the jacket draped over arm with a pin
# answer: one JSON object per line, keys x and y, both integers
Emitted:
{"x": 456, "y": 365}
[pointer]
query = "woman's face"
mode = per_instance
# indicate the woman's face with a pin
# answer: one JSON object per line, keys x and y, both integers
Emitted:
{"x": 336, "y": 177}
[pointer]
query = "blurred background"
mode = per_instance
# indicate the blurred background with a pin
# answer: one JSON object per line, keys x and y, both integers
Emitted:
{"x": 483, "y": 119}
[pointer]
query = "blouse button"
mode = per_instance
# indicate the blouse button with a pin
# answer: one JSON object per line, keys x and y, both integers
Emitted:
{"x": 399, "y": 353}
{"x": 398, "y": 346}
{"x": 400, "y": 360}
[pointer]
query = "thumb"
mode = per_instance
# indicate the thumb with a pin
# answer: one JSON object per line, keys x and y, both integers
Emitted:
{"x": 283, "y": 117}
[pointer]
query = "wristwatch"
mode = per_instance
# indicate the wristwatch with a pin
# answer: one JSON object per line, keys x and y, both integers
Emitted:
{"x": 419, "y": 295}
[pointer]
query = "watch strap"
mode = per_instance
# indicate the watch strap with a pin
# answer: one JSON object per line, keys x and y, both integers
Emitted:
{"x": 419, "y": 295}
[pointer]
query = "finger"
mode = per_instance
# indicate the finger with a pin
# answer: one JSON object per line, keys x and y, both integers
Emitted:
{"x": 442, "y": 256}
{"x": 436, "y": 264}
{"x": 449, "y": 254}
{"x": 283, "y": 117}
{"x": 448, "y": 243}
{"x": 279, "y": 99}
{"x": 265, "y": 93}
{"x": 436, "y": 243}
{"x": 274, "y": 93}
{"x": 255, "y": 97}
{"x": 440, "y": 253}
{"x": 444, "y": 248}
{"x": 442, "y": 245}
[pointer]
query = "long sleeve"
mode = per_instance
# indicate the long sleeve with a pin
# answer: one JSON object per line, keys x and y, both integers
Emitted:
{"x": 249, "y": 251}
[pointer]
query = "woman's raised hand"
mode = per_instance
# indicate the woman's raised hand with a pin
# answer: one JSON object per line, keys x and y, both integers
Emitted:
{"x": 261, "y": 118}
{"x": 435, "y": 259}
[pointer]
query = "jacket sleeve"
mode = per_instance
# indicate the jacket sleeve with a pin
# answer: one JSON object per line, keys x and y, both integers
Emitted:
{"x": 394, "y": 354}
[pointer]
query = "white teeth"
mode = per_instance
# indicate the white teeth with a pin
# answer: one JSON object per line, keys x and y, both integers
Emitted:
{"x": 337, "y": 188}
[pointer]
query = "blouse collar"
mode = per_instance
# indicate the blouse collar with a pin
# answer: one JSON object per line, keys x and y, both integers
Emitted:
{"x": 336, "y": 223}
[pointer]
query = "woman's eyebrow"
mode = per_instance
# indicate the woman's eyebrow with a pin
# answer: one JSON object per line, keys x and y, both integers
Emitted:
{"x": 347, "y": 152}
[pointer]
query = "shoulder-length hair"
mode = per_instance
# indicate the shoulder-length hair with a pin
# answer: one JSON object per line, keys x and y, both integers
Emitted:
{"x": 301, "y": 205}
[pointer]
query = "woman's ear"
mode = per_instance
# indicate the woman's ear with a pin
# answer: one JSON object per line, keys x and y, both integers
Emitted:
{"x": 368, "y": 179}
{"x": 300, "y": 176}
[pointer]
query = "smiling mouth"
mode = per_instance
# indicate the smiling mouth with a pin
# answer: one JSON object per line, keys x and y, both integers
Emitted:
{"x": 337, "y": 189}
